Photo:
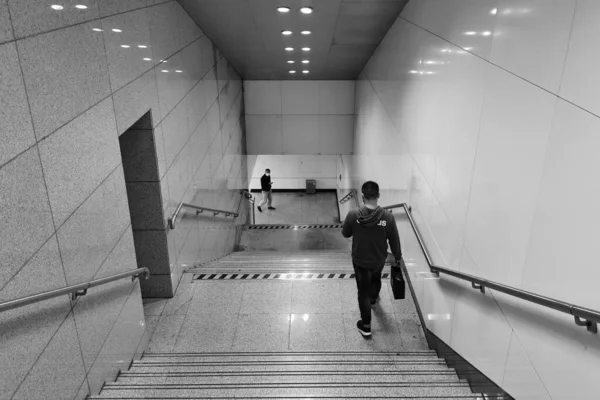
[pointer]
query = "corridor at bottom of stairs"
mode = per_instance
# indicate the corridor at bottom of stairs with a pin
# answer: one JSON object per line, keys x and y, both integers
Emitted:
{"x": 282, "y": 325}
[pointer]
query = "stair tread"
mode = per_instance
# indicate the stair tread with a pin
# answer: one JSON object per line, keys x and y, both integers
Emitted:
{"x": 290, "y": 378}
{"x": 285, "y": 390}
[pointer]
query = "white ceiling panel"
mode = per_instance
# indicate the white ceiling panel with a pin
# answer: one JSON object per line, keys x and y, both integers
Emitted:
{"x": 248, "y": 33}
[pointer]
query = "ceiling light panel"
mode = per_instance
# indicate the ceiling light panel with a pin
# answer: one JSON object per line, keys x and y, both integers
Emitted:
{"x": 283, "y": 10}
{"x": 306, "y": 10}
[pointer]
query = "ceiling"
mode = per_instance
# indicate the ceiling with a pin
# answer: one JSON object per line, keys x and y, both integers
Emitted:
{"x": 345, "y": 33}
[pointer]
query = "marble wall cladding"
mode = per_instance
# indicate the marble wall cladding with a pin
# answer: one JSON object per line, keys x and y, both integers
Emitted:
{"x": 30, "y": 17}
{"x": 287, "y": 117}
{"x": 128, "y": 47}
{"x": 74, "y": 80}
{"x": 65, "y": 74}
{"x": 78, "y": 157}
{"x": 111, "y": 7}
{"x": 6, "y": 30}
{"x": 16, "y": 132}
{"x": 485, "y": 110}
{"x": 24, "y": 213}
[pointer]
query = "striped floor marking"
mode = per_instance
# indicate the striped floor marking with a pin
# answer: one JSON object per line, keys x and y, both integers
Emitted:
{"x": 295, "y": 226}
{"x": 284, "y": 276}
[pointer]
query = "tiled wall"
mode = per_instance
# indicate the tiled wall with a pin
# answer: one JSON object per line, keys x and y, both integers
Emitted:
{"x": 490, "y": 109}
{"x": 299, "y": 117}
{"x": 72, "y": 80}
{"x": 292, "y": 171}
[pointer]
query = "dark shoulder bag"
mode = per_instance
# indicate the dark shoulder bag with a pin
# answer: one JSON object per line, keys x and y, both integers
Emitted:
{"x": 397, "y": 280}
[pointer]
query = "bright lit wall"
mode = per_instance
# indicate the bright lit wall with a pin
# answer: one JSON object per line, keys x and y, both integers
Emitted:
{"x": 299, "y": 117}
{"x": 292, "y": 171}
{"x": 489, "y": 110}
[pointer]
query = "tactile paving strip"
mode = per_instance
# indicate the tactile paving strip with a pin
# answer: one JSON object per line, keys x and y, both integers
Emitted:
{"x": 291, "y": 276}
{"x": 294, "y": 226}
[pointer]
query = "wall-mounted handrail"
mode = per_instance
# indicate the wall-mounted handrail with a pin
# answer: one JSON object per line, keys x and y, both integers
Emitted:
{"x": 74, "y": 290}
{"x": 348, "y": 196}
{"x": 199, "y": 210}
{"x": 583, "y": 316}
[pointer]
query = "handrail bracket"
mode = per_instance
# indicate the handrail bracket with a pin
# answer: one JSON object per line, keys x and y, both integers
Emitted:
{"x": 590, "y": 325}
{"x": 481, "y": 288}
{"x": 78, "y": 293}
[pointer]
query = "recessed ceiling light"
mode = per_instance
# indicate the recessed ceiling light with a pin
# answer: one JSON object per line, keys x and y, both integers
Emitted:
{"x": 486, "y": 33}
{"x": 117, "y": 30}
{"x": 291, "y": 62}
{"x": 81, "y": 6}
{"x": 142, "y": 46}
{"x": 178, "y": 70}
{"x": 305, "y": 61}
{"x": 305, "y": 71}
{"x": 97, "y": 30}
{"x": 471, "y": 33}
{"x": 306, "y": 10}
{"x": 147, "y": 59}
{"x": 56, "y": 7}
{"x": 306, "y": 49}
{"x": 125, "y": 46}
{"x": 289, "y": 49}
{"x": 286, "y": 33}
{"x": 306, "y": 32}
{"x": 494, "y": 11}
{"x": 292, "y": 72}
{"x": 283, "y": 9}
{"x": 165, "y": 70}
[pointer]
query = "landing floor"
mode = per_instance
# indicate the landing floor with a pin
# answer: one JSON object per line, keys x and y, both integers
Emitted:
{"x": 278, "y": 315}
{"x": 299, "y": 208}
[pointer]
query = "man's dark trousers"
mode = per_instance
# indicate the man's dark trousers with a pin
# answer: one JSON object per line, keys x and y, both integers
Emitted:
{"x": 369, "y": 286}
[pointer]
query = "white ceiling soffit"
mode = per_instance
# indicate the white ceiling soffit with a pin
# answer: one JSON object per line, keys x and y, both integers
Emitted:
{"x": 344, "y": 35}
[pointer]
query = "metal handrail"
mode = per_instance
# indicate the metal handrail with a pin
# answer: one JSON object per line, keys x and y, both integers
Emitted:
{"x": 347, "y": 197}
{"x": 583, "y": 316}
{"x": 74, "y": 290}
{"x": 199, "y": 210}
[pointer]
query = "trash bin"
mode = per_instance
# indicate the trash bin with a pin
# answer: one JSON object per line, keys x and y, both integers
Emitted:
{"x": 311, "y": 186}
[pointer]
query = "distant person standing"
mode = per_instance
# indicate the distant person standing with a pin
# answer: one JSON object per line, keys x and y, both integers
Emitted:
{"x": 371, "y": 228}
{"x": 265, "y": 186}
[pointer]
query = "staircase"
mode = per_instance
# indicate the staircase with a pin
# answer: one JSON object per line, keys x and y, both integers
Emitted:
{"x": 263, "y": 262}
{"x": 339, "y": 375}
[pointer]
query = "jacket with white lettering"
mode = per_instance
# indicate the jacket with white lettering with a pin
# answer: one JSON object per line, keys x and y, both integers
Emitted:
{"x": 371, "y": 230}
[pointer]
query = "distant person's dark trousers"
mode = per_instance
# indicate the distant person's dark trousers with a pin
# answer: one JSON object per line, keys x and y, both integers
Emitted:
{"x": 267, "y": 199}
{"x": 369, "y": 286}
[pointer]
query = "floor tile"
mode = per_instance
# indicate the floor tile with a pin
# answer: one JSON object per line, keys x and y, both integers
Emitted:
{"x": 207, "y": 332}
{"x": 223, "y": 297}
{"x": 165, "y": 334}
{"x": 262, "y": 332}
{"x": 267, "y": 298}
{"x": 316, "y": 297}
{"x": 317, "y": 332}
{"x": 385, "y": 333}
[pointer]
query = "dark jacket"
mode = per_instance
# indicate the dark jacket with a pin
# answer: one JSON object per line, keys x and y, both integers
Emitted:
{"x": 265, "y": 183}
{"x": 371, "y": 230}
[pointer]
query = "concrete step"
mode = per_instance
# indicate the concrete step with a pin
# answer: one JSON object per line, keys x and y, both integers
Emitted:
{"x": 289, "y": 357}
{"x": 298, "y": 355}
{"x": 251, "y": 377}
{"x": 422, "y": 366}
{"x": 285, "y": 390}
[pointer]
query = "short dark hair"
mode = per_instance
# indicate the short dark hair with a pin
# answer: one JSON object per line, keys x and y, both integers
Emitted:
{"x": 370, "y": 190}
{"x": 267, "y": 170}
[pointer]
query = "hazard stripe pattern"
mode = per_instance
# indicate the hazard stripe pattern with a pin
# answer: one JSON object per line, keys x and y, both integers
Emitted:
{"x": 295, "y": 226}
{"x": 283, "y": 276}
